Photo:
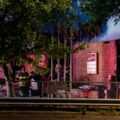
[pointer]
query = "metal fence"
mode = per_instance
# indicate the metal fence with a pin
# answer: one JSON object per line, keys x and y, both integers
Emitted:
{"x": 55, "y": 89}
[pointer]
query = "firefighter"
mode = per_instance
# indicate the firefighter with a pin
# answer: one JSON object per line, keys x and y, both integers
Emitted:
{"x": 23, "y": 82}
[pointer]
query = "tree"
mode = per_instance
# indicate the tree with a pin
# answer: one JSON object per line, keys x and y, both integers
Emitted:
{"x": 21, "y": 23}
{"x": 101, "y": 10}
{"x": 22, "y": 28}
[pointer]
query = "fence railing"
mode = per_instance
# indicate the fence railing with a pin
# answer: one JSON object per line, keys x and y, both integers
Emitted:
{"x": 55, "y": 89}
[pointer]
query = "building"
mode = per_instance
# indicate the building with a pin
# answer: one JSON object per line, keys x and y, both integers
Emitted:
{"x": 96, "y": 65}
{"x": 96, "y": 62}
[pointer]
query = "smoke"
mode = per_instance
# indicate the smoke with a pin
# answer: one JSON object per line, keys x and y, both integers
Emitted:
{"x": 112, "y": 32}
{"x": 78, "y": 3}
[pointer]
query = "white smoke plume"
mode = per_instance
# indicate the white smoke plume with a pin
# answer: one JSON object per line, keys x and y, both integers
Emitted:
{"x": 112, "y": 32}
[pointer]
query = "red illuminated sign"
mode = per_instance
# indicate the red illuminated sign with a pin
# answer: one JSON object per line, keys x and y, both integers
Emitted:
{"x": 43, "y": 60}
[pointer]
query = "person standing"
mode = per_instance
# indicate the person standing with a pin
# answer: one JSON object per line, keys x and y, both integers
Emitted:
{"x": 23, "y": 82}
{"x": 114, "y": 87}
{"x": 34, "y": 91}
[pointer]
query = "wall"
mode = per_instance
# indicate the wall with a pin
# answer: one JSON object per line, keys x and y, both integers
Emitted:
{"x": 109, "y": 56}
{"x": 106, "y": 61}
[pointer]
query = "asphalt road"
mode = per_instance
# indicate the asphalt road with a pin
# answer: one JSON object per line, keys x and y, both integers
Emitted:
{"x": 56, "y": 115}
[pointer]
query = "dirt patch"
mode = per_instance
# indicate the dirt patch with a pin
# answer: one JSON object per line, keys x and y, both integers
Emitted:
{"x": 55, "y": 115}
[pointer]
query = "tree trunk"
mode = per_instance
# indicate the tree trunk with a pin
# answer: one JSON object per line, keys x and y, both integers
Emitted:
{"x": 8, "y": 73}
{"x": 71, "y": 58}
{"x": 58, "y": 60}
{"x": 65, "y": 44}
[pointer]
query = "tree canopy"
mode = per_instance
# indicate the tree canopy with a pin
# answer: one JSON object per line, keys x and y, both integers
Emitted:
{"x": 23, "y": 21}
{"x": 101, "y": 10}
{"x": 23, "y": 26}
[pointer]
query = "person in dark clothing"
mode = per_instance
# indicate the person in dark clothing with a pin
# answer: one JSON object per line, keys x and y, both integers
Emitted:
{"x": 113, "y": 86}
{"x": 68, "y": 77}
{"x": 23, "y": 81}
{"x": 54, "y": 76}
{"x": 35, "y": 85}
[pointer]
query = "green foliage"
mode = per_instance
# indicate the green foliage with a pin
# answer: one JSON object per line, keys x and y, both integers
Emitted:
{"x": 80, "y": 47}
{"x": 42, "y": 71}
{"x": 58, "y": 51}
{"x": 115, "y": 112}
{"x": 82, "y": 109}
{"x": 100, "y": 10}
{"x": 107, "y": 111}
{"x": 103, "y": 112}
{"x": 22, "y": 25}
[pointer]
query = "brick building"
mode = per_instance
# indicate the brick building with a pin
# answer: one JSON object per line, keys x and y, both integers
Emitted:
{"x": 106, "y": 62}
